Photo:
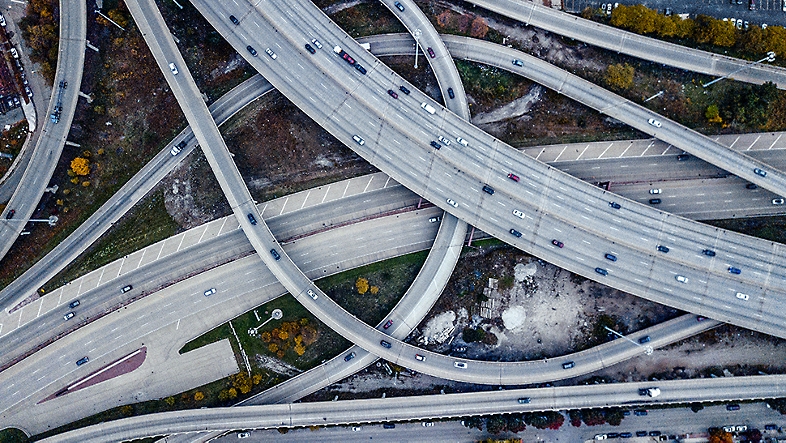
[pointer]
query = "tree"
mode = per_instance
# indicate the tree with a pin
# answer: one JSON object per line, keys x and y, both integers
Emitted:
{"x": 362, "y": 285}
{"x": 614, "y": 416}
{"x": 696, "y": 407}
{"x": 479, "y": 28}
{"x": 720, "y": 436}
{"x": 198, "y": 396}
{"x": 496, "y": 424}
{"x": 620, "y": 76}
{"x": 712, "y": 114}
{"x": 80, "y": 166}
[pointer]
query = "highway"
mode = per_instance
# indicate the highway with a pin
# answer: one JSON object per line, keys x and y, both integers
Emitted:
{"x": 49, "y": 146}
{"x": 425, "y": 407}
{"x": 635, "y": 276}
{"x": 624, "y": 42}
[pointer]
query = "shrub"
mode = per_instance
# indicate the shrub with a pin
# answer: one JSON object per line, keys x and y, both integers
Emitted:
{"x": 198, "y": 396}
{"x": 80, "y": 166}
{"x": 362, "y": 285}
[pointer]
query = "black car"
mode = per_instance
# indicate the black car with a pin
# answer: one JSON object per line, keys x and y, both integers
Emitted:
{"x": 488, "y": 189}
{"x": 732, "y": 407}
{"x": 612, "y": 435}
{"x": 384, "y": 344}
{"x": 252, "y": 219}
{"x": 435, "y": 145}
{"x": 10, "y": 214}
{"x": 614, "y": 205}
{"x": 708, "y": 252}
{"x": 360, "y": 69}
{"x": 234, "y": 19}
{"x": 275, "y": 254}
{"x": 645, "y": 339}
{"x": 82, "y": 361}
{"x": 625, "y": 435}
{"x": 641, "y": 433}
{"x": 252, "y": 50}
{"x": 349, "y": 356}
{"x": 403, "y": 89}
{"x": 568, "y": 365}
{"x": 392, "y": 93}
{"x": 654, "y": 433}
{"x": 611, "y": 257}
{"x": 655, "y": 201}
{"x": 733, "y": 270}
{"x": 515, "y": 232}
{"x": 73, "y": 304}
{"x": 450, "y": 93}
{"x": 388, "y": 426}
{"x": 640, "y": 413}
{"x": 601, "y": 271}
{"x": 662, "y": 248}
{"x": 310, "y": 49}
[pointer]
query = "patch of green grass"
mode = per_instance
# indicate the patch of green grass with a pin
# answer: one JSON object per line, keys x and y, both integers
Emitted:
{"x": 12, "y": 435}
{"x": 392, "y": 277}
{"x": 148, "y": 223}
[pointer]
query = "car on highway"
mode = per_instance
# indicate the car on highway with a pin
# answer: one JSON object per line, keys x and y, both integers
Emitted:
{"x": 431, "y": 53}
{"x": 427, "y": 424}
{"x": 655, "y": 191}
{"x": 611, "y": 257}
{"x": 514, "y": 177}
{"x": 234, "y": 20}
{"x": 460, "y": 364}
{"x": 708, "y": 252}
{"x": 742, "y": 296}
{"x": 173, "y": 68}
{"x": 126, "y": 288}
{"x": 10, "y": 214}
{"x": 389, "y": 426}
{"x": 462, "y": 141}
{"x": 662, "y": 248}
{"x": 733, "y": 270}
{"x": 355, "y": 428}
{"x": 312, "y": 294}
{"x": 601, "y": 271}
{"x": 387, "y": 324}
{"x": 310, "y": 49}
{"x": 488, "y": 189}
{"x": 654, "y": 122}
{"x": 444, "y": 140}
{"x": 69, "y": 316}
{"x": 419, "y": 357}
{"x": 681, "y": 278}
{"x": 349, "y": 356}
{"x": 655, "y": 201}
{"x": 275, "y": 254}
{"x": 210, "y": 292}
{"x": 403, "y": 89}
{"x": 751, "y": 186}
{"x": 435, "y": 219}
{"x": 451, "y": 94}
{"x": 452, "y": 202}
{"x": 243, "y": 435}
{"x": 385, "y": 344}
{"x": 524, "y": 400}
{"x": 435, "y": 145}
{"x": 614, "y": 205}
{"x": 251, "y": 50}
{"x": 358, "y": 140}
{"x": 645, "y": 339}
{"x": 82, "y": 361}
{"x": 177, "y": 148}
{"x": 270, "y": 52}
{"x": 640, "y": 413}
{"x": 392, "y": 93}
{"x": 760, "y": 172}
{"x": 73, "y": 304}
{"x": 517, "y": 62}
{"x": 316, "y": 43}
{"x": 360, "y": 68}
{"x": 568, "y": 365}
{"x": 399, "y": 6}
{"x": 558, "y": 243}
{"x": 700, "y": 318}
{"x": 252, "y": 219}
{"x": 777, "y": 201}
{"x": 515, "y": 232}
{"x": 518, "y": 213}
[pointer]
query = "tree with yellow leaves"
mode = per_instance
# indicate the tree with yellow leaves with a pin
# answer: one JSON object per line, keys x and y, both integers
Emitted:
{"x": 198, "y": 396}
{"x": 80, "y": 166}
{"x": 362, "y": 285}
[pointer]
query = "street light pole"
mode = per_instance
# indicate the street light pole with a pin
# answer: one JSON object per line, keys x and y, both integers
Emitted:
{"x": 275, "y": 315}
{"x": 770, "y": 58}
{"x": 647, "y": 349}
{"x": 416, "y": 35}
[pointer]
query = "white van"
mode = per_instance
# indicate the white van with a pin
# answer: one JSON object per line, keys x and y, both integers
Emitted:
{"x": 430, "y": 109}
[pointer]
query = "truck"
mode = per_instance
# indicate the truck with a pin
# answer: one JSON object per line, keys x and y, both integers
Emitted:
{"x": 649, "y": 392}
{"x": 341, "y": 53}
{"x": 430, "y": 109}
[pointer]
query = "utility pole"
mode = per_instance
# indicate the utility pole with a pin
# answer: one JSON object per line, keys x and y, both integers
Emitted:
{"x": 770, "y": 58}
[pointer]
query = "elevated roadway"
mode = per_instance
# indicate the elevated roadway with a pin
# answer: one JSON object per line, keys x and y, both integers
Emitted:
{"x": 625, "y": 42}
{"x": 425, "y": 407}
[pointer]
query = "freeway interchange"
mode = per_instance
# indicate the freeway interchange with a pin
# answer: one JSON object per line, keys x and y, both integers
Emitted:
{"x": 470, "y": 181}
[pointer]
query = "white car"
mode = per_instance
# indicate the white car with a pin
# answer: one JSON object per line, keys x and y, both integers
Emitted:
{"x": 210, "y": 292}
{"x": 460, "y": 364}
{"x": 243, "y": 435}
{"x": 655, "y": 191}
{"x": 742, "y": 296}
{"x": 312, "y": 294}
{"x": 358, "y": 140}
{"x": 174, "y": 70}
{"x": 444, "y": 140}
{"x": 462, "y": 141}
{"x": 681, "y": 279}
{"x": 777, "y": 201}
{"x": 654, "y": 122}
{"x": 355, "y": 428}
{"x": 739, "y": 23}
{"x": 316, "y": 43}
{"x": 427, "y": 424}
{"x": 271, "y": 53}
{"x": 2, "y": 21}
{"x": 452, "y": 202}
{"x": 518, "y": 213}
{"x": 600, "y": 436}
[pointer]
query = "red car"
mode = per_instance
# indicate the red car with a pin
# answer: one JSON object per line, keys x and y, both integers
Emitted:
{"x": 557, "y": 243}
{"x": 392, "y": 93}
{"x": 431, "y": 52}
{"x": 513, "y": 177}
{"x": 388, "y": 324}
